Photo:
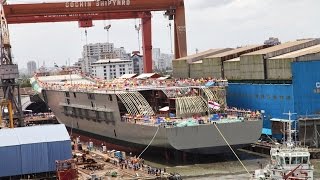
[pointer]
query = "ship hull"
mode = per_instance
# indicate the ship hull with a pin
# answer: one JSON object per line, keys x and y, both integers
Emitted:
{"x": 201, "y": 139}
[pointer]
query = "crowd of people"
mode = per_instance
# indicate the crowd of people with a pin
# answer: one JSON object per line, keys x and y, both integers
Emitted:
{"x": 227, "y": 113}
{"x": 126, "y": 84}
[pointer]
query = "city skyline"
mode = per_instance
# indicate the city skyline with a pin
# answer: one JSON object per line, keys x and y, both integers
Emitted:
{"x": 232, "y": 24}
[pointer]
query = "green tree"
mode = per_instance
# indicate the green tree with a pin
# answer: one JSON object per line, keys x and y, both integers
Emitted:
{"x": 24, "y": 82}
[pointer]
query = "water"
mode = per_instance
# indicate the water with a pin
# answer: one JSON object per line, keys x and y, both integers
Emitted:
{"x": 224, "y": 168}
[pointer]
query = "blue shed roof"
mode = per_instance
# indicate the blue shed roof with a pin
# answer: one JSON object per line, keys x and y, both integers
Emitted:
{"x": 33, "y": 134}
{"x": 8, "y": 138}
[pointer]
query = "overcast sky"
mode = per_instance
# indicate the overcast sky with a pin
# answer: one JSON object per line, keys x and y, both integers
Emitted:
{"x": 210, "y": 24}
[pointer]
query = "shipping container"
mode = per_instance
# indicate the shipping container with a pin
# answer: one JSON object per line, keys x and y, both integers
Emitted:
{"x": 30, "y": 150}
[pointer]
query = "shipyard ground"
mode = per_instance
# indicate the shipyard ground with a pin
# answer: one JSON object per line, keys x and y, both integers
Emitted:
{"x": 225, "y": 167}
{"x": 222, "y": 166}
{"x": 106, "y": 166}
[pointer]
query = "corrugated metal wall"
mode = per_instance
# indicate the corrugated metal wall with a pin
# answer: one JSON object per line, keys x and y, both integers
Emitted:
{"x": 10, "y": 162}
{"x": 61, "y": 149}
{"x": 34, "y": 158}
{"x": 274, "y": 99}
{"x": 306, "y": 87}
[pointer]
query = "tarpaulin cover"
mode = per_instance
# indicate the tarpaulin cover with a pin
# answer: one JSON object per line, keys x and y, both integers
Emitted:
{"x": 189, "y": 122}
{"x": 266, "y": 131}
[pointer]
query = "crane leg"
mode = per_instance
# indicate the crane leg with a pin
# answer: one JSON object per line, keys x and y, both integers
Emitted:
{"x": 1, "y": 121}
{"x": 10, "y": 114}
{"x": 180, "y": 34}
{"x": 147, "y": 42}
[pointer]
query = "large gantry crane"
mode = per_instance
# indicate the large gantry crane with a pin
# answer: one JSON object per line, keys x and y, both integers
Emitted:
{"x": 86, "y": 11}
{"x": 8, "y": 74}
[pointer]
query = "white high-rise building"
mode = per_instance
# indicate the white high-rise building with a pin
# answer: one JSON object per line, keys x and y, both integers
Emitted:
{"x": 161, "y": 61}
{"x": 120, "y": 53}
{"x": 85, "y": 64}
{"x": 32, "y": 67}
{"x": 155, "y": 57}
{"x": 166, "y": 61}
{"x": 94, "y": 52}
{"x": 109, "y": 69}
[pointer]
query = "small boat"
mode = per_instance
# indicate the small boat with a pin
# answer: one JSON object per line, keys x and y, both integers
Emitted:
{"x": 288, "y": 161}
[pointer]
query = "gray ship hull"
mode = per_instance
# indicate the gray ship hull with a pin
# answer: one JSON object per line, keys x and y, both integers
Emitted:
{"x": 202, "y": 139}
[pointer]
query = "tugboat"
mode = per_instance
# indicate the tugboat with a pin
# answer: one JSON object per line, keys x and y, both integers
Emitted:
{"x": 289, "y": 161}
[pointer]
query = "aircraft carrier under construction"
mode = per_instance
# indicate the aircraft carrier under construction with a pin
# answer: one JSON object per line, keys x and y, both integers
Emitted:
{"x": 145, "y": 110}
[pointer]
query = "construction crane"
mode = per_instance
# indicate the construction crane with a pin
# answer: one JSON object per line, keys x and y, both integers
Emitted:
{"x": 8, "y": 74}
{"x": 86, "y": 11}
{"x": 7, "y": 104}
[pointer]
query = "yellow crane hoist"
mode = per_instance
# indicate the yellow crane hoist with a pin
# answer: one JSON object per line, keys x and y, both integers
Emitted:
{"x": 8, "y": 104}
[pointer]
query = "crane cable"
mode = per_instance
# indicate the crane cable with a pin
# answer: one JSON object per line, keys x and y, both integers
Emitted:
{"x": 231, "y": 149}
{"x": 150, "y": 142}
{"x": 86, "y": 34}
{"x": 170, "y": 34}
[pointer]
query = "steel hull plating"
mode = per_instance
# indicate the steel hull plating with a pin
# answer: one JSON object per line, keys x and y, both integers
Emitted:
{"x": 203, "y": 139}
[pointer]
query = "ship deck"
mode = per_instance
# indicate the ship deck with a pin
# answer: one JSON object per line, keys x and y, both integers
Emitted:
{"x": 183, "y": 122}
{"x": 81, "y": 83}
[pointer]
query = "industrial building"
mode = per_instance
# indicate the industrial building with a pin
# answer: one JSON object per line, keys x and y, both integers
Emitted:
{"x": 182, "y": 66}
{"x": 213, "y": 66}
{"x": 275, "y": 79}
{"x": 95, "y": 51}
{"x": 253, "y": 66}
{"x": 32, "y": 150}
{"x": 250, "y": 63}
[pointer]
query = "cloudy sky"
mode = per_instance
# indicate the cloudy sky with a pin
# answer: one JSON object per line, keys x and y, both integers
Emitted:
{"x": 210, "y": 24}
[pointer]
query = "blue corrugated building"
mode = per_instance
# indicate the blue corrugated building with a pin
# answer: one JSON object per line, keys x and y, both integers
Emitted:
{"x": 306, "y": 87}
{"x": 301, "y": 97}
{"x": 35, "y": 149}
